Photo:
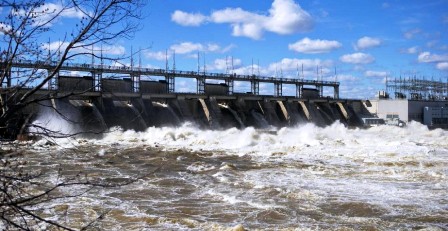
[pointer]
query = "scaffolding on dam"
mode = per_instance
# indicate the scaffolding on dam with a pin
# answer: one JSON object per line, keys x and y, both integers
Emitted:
{"x": 98, "y": 72}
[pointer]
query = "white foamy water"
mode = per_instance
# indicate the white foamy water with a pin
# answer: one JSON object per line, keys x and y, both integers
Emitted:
{"x": 303, "y": 177}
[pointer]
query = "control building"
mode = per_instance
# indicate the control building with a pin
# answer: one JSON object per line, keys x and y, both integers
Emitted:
{"x": 424, "y": 101}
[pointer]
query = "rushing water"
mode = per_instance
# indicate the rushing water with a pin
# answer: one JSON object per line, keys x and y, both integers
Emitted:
{"x": 304, "y": 178}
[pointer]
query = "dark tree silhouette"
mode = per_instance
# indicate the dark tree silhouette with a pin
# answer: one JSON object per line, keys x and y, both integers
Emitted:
{"x": 26, "y": 22}
{"x": 23, "y": 25}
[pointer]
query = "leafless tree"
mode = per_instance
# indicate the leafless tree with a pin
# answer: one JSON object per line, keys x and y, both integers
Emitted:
{"x": 24, "y": 27}
{"x": 24, "y": 192}
{"x": 26, "y": 23}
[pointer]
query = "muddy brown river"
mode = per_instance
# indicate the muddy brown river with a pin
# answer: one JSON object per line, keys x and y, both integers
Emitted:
{"x": 301, "y": 178}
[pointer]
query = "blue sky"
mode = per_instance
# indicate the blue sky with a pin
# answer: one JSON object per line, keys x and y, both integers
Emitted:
{"x": 362, "y": 41}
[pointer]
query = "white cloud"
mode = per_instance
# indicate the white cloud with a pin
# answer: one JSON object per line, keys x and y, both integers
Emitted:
{"x": 357, "y": 58}
{"x": 111, "y": 50}
{"x": 427, "y": 57}
{"x": 292, "y": 64}
{"x": 228, "y": 48}
{"x": 213, "y": 47}
{"x": 189, "y": 47}
{"x": 442, "y": 66}
{"x": 5, "y": 29}
{"x": 186, "y": 47}
{"x": 285, "y": 17}
{"x": 290, "y": 67}
{"x": 412, "y": 50}
{"x": 286, "y": 67}
{"x": 158, "y": 55}
{"x": 375, "y": 73}
{"x": 367, "y": 42}
{"x": 385, "y": 5}
{"x": 309, "y": 46}
{"x": 346, "y": 78}
{"x": 187, "y": 19}
{"x": 46, "y": 12}
{"x": 432, "y": 43}
{"x": 105, "y": 50}
{"x": 411, "y": 33}
{"x": 225, "y": 64}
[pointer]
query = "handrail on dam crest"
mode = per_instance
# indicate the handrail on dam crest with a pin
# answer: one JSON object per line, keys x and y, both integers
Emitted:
{"x": 136, "y": 72}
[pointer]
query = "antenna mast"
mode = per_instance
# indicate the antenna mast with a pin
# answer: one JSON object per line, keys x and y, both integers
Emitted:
{"x": 132, "y": 58}
{"x": 233, "y": 69}
{"x": 252, "y": 66}
{"x": 303, "y": 76}
{"x": 205, "y": 69}
{"x": 199, "y": 65}
{"x": 166, "y": 60}
{"x": 174, "y": 60}
{"x": 140, "y": 57}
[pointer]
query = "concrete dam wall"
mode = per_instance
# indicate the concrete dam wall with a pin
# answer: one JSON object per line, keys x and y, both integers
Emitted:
{"x": 98, "y": 114}
{"x": 93, "y": 105}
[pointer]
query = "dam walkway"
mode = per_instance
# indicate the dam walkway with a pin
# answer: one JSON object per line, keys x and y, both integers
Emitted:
{"x": 100, "y": 73}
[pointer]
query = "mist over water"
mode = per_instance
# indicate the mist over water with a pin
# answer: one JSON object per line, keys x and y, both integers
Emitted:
{"x": 302, "y": 177}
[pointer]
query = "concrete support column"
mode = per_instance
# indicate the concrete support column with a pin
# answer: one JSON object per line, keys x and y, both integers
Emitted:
{"x": 229, "y": 83}
{"x": 336, "y": 91}
{"x": 135, "y": 83}
{"x": 255, "y": 87}
{"x": 299, "y": 89}
{"x": 97, "y": 80}
{"x": 53, "y": 83}
{"x": 321, "y": 90}
{"x": 170, "y": 83}
{"x": 200, "y": 85}
{"x": 278, "y": 89}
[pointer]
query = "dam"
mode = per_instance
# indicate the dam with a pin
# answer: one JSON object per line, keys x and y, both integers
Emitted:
{"x": 110, "y": 96}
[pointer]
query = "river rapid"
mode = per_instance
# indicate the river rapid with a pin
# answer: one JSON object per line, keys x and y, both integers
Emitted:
{"x": 297, "y": 178}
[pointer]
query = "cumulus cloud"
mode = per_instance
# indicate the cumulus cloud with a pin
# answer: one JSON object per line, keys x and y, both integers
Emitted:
{"x": 286, "y": 67}
{"x": 357, "y": 58}
{"x": 285, "y": 17}
{"x": 411, "y": 50}
{"x": 157, "y": 55}
{"x": 47, "y": 11}
{"x": 443, "y": 66}
{"x": 225, "y": 64}
{"x": 186, "y": 47}
{"x": 309, "y": 46}
{"x": 291, "y": 68}
{"x": 411, "y": 33}
{"x": 381, "y": 74}
{"x": 80, "y": 48}
{"x": 189, "y": 47}
{"x": 288, "y": 64}
{"x": 111, "y": 50}
{"x": 346, "y": 78}
{"x": 427, "y": 57}
{"x": 187, "y": 19}
{"x": 367, "y": 42}
{"x": 5, "y": 28}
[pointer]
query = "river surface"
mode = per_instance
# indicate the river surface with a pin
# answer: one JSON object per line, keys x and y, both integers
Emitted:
{"x": 299, "y": 178}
